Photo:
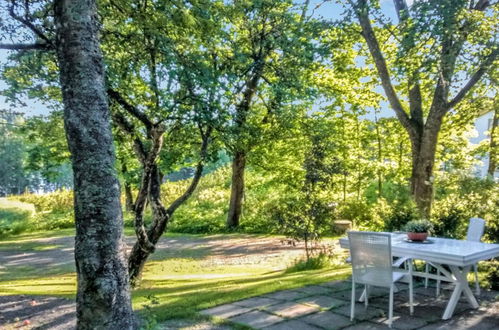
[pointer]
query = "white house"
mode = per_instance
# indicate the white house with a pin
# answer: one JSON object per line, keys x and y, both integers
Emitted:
{"x": 483, "y": 124}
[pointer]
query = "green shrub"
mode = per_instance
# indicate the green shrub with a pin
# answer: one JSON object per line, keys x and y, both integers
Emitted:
{"x": 401, "y": 214}
{"x": 357, "y": 211}
{"x": 60, "y": 201}
{"x": 13, "y": 221}
{"x": 492, "y": 273}
{"x": 320, "y": 261}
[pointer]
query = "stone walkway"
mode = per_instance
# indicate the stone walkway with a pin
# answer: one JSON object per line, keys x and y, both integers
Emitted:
{"x": 327, "y": 306}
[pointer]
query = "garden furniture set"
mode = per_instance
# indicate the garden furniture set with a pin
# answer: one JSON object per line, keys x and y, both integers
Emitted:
{"x": 372, "y": 255}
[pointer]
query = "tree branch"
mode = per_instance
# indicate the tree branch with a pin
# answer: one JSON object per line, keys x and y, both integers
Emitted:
{"x": 361, "y": 9}
{"x": 474, "y": 78}
{"x": 116, "y": 96}
{"x": 29, "y": 25}
{"x": 128, "y": 127}
{"x": 35, "y": 46}
{"x": 197, "y": 175}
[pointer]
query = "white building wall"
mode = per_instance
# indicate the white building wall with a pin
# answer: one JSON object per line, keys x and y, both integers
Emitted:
{"x": 482, "y": 127}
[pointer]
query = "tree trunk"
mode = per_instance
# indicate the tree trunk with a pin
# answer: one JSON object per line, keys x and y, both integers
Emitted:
{"x": 237, "y": 189}
{"x": 128, "y": 197}
{"x": 161, "y": 215}
{"x": 493, "y": 144}
{"x": 103, "y": 297}
{"x": 423, "y": 160}
{"x": 128, "y": 188}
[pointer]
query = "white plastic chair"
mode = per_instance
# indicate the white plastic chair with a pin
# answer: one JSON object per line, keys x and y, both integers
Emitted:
{"x": 371, "y": 257}
{"x": 476, "y": 228}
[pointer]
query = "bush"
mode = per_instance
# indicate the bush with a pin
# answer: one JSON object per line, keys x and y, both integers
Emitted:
{"x": 60, "y": 201}
{"x": 320, "y": 261}
{"x": 13, "y": 221}
{"x": 401, "y": 214}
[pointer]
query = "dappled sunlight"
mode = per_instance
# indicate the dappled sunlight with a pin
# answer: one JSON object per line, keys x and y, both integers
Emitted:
{"x": 61, "y": 285}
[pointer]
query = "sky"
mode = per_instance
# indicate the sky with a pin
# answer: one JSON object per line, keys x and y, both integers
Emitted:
{"x": 328, "y": 9}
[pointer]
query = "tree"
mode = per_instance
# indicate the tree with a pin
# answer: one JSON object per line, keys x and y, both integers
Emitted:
{"x": 12, "y": 153}
{"x": 273, "y": 55}
{"x": 47, "y": 151}
{"x": 164, "y": 103}
{"x": 103, "y": 296}
{"x": 423, "y": 86}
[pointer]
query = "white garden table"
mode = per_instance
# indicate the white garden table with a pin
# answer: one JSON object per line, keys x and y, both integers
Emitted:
{"x": 459, "y": 256}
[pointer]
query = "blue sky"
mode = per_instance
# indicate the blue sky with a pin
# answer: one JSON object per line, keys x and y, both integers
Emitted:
{"x": 326, "y": 9}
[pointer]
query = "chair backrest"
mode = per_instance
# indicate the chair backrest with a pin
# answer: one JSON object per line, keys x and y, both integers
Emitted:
{"x": 475, "y": 229}
{"x": 371, "y": 255}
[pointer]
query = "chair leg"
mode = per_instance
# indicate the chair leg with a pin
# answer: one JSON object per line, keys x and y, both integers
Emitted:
{"x": 411, "y": 292}
{"x": 390, "y": 307}
{"x": 438, "y": 284}
{"x": 427, "y": 271}
{"x": 477, "y": 284}
{"x": 366, "y": 290}
{"x": 352, "y": 302}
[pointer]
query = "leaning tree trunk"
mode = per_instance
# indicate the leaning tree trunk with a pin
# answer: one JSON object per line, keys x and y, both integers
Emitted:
{"x": 493, "y": 144}
{"x": 147, "y": 239}
{"x": 103, "y": 296}
{"x": 237, "y": 189}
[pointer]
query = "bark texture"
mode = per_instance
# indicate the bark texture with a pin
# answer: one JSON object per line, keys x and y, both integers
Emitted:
{"x": 103, "y": 297}
{"x": 237, "y": 189}
{"x": 241, "y": 149}
{"x": 147, "y": 238}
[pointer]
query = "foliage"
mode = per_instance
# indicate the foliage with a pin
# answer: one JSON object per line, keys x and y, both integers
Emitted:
{"x": 47, "y": 150}
{"x": 306, "y": 213}
{"x": 462, "y": 197}
{"x": 13, "y": 178}
{"x": 319, "y": 261}
{"x": 13, "y": 221}
{"x": 492, "y": 274}
{"x": 418, "y": 226}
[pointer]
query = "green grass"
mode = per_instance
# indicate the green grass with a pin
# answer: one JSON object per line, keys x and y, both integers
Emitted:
{"x": 176, "y": 283}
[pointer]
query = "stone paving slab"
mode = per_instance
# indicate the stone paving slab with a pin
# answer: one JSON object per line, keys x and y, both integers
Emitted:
{"x": 315, "y": 289}
{"x": 226, "y": 311}
{"x": 257, "y": 302}
{"x": 483, "y": 318}
{"x": 338, "y": 285}
{"x": 257, "y": 319}
{"x": 366, "y": 326}
{"x": 327, "y": 320}
{"x": 403, "y": 322}
{"x": 292, "y": 324}
{"x": 288, "y": 295}
{"x": 291, "y": 309}
{"x": 308, "y": 308}
{"x": 323, "y": 302}
{"x": 361, "y": 312}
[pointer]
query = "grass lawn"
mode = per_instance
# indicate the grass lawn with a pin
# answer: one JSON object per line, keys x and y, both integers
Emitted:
{"x": 176, "y": 283}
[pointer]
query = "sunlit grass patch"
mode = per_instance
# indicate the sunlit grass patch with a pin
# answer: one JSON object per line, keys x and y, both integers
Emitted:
{"x": 183, "y": 298}
{"x": 60, "y": 285}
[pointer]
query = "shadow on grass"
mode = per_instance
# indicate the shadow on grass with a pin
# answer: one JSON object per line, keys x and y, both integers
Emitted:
{"x": 173, "y": 299}
{"x": 41, "y": 312}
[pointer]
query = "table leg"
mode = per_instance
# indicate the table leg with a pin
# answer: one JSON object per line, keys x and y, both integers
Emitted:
{"x": 461, "y": 275}
{"x": 461, "y": 286}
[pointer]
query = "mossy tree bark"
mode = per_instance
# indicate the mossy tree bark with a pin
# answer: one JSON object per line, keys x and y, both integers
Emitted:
{"x": 103, "y": 297}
